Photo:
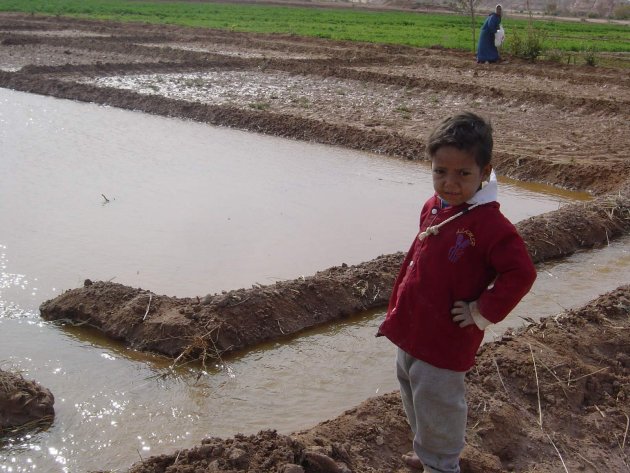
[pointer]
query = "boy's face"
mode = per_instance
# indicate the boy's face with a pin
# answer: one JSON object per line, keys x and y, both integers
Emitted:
{"x": 456, "y": 174}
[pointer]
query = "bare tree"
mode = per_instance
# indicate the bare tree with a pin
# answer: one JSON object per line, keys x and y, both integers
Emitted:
{"x": 467, "y": 7}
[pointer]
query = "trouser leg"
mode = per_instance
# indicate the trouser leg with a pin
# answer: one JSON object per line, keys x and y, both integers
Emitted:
{"x": 402, "y": 371}
{"x": 434, "y": 400}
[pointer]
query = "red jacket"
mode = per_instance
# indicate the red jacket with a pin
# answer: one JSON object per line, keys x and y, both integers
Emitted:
{"x": 459, "y": 263}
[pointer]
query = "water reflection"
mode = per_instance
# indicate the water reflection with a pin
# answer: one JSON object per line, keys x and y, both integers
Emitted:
{"x": 12, "y": 284}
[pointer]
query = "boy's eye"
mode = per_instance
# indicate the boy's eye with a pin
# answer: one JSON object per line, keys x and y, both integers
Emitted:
{"x": 465, "y": 173}
{"x": 438, "y": 171}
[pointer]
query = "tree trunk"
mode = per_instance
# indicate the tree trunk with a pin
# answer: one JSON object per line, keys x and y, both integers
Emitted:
{"x": 472, "y": 24}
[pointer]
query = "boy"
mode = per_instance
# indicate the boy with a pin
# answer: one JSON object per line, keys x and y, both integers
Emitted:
{"x": 467, "y": 268}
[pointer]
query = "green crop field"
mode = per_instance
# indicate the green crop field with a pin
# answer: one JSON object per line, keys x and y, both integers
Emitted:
{"x": 404, "y": 28}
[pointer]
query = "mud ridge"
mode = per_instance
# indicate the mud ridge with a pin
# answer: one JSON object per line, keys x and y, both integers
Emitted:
{"x": 134, "y": 45}
{"x": 69, "y": 71}
{"x": 606, "y": 178}
{"x": 24, "y": 404}
{"x": 166, "y": 54}
{"x": 227, "y": 322}
{"x": 586, "y": 105}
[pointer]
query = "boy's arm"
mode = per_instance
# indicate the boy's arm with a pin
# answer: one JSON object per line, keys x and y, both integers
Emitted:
{"x": 480, "y": 321}
{"x": 515, "y": 276}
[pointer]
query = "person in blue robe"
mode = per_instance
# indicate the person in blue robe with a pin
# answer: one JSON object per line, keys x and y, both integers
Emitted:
{"x": 486, "y": 50}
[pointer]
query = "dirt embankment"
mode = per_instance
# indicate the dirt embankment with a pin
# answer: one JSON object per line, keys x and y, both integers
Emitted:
{"x": 24, "y": 404}
{"x": 552, "y": 397}
{"x": 557, "y": 124}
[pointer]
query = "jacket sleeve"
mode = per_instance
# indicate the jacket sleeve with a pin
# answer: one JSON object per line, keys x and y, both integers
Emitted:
{"x": 515, "y": 276}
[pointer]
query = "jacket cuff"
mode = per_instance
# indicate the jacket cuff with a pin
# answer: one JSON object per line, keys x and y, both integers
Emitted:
{"x": 480, "y": 321}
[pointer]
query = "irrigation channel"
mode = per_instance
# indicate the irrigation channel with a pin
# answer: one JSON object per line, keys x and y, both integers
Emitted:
{"x": 184, "y": 209}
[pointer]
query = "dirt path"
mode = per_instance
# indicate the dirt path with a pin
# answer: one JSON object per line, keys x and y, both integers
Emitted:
{"x": 564, "y": 125}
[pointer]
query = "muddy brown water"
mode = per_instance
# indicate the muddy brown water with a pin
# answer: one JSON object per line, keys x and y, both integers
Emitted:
{"x": 195, "y": 209}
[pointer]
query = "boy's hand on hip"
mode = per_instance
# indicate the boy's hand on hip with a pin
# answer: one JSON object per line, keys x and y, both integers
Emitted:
{"x": 462, "y": 315}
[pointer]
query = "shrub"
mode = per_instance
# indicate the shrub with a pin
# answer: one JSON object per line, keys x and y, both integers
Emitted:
{"x": 590, "y": 56}
{"x": 528, "y": 46}
{"x": 555, "y": 55}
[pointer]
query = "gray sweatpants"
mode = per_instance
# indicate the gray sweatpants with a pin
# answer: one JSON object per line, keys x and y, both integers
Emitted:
{"x": 435, "y": 403}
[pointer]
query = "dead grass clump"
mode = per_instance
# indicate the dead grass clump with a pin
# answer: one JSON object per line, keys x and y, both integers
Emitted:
{"x": 9, "y": 381}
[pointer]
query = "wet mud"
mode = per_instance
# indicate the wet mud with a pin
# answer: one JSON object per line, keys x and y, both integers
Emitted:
{"x": 24, "y": 405}
{"x": 553, "y": 394}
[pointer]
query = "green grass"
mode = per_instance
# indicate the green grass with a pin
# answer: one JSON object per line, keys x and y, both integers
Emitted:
{"x": 412, "y": 29}
{"x": 579, "y": 36}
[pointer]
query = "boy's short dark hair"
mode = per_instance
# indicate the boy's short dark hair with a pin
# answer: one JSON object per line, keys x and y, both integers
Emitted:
{"x": 465, "y": 131}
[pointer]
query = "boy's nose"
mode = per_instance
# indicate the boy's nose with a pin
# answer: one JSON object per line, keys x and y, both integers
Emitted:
{"x": 450, "y": 181}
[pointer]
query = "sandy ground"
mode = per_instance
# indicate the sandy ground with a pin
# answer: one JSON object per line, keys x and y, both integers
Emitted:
{"x": 551, "y": 398}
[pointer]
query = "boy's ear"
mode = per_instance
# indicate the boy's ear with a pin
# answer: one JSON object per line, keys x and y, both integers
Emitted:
{"x": 485, "y": 172}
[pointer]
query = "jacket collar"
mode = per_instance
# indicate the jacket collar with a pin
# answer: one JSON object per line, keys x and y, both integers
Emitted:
{"x": 489, "y": 192}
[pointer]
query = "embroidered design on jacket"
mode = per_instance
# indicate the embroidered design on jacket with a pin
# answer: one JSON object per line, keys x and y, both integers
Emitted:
{"x": 465, "y": 238}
